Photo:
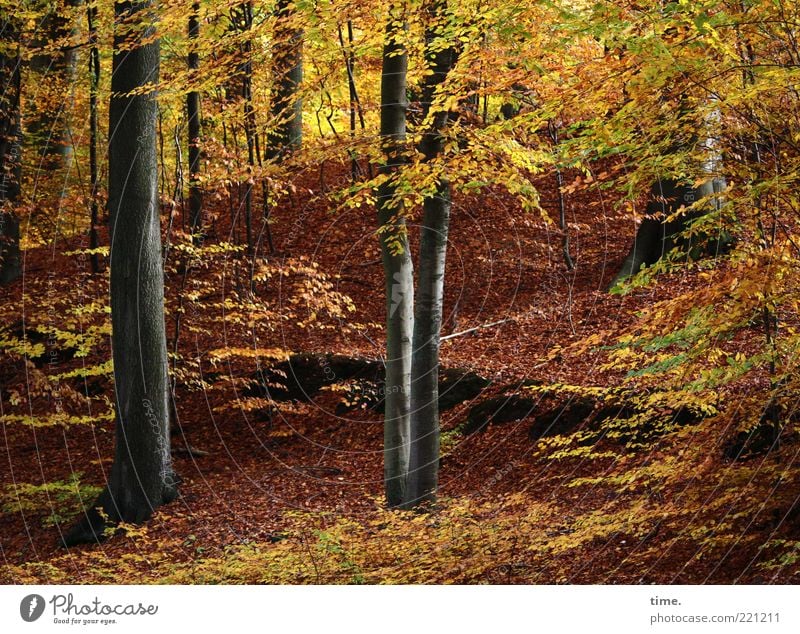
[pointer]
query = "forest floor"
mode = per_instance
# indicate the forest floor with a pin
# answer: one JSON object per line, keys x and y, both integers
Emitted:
{"x": 291, "y": 491}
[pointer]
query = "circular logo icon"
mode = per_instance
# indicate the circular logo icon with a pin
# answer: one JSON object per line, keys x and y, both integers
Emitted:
{"x": 31, "y": 607}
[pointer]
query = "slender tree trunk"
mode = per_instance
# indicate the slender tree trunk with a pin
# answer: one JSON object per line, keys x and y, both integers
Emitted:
{"x": 397, "y": 266}
{"x": 54, "y": 70}
{"x": 423, "y": 474}
{"x": 287, "y": 106}
{"x": 355, "y": 102}
{"x": 141, "y": 477}
{"x": 552, "y": 130}
{"x": 423, "y": 468}
{"x": 10, "y": 144}
{"x": 193, "y": 119}
{"x": 349, "y": 62}
{"x": 249, "y": 124}
{"x": 265, "y": 231}
{"x": 94, "y": 84}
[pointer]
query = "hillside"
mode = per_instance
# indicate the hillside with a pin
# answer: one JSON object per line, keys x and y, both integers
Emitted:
{"x": 565, "y": 483}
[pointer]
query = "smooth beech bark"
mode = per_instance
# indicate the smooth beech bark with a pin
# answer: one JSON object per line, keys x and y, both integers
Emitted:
{"x": 423, "y": 468}
{"x": 397, "y": 266}
{"x": 656, "y": 237}
{"x": 659, "y": 233}
{"x": 141, "y": 477}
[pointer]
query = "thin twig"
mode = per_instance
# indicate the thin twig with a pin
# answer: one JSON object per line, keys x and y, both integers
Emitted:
{"x": 481, "y": 327}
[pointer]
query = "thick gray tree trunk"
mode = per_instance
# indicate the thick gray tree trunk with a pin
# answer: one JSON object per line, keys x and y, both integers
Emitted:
{"x": 658, "y": 234}
{"x": 10, "y": 146}
{"x": 287, "y": 68}
{"x": 193, "y": 118}
{"x": 656, "y": 237}
{"x": 397, "y": 266}
{"x": 141, "y": 477}
{"x": 423, "y": 468}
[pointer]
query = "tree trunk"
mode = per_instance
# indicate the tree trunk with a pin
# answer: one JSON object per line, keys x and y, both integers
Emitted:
{"x": 656, "y": 237}
{"x": 141, "y": 477}
{"x": 423, "y": 474}
{"x": 94, "y": 84}
{"x": 423, "y": 468}
{"x": 10, "y": 164}
{"x": 249, "y": 123}
{"x": 193, "y": 118}
{"x": 652, "y": 240}
{"x": 287, "y": 107}
{"x": 552, "y": 131}
{"x": 54, "y": 70}
{"x": 397, "y": 267}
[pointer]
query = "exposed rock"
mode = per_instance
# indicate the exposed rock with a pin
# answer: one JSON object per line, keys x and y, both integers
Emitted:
{"x": 565, "y": 418}
{"x": 760, "y": 439}
{"x": 55, "y": 352}
{"x": 499, "y": 409}
{"x": 303, "y": 375}
{"x": 457, "y": 385}
{"x": 554, "y": 412}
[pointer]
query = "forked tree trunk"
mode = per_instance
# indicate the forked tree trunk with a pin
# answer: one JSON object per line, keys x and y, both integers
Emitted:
{"x": 355, "y": 101}
{"x": 287, "y": 68}
{"x": 10, "y": 164}
{"x": 423, "y": 468}
{"x": 397, "y": 266}
{"x": 141, "y": 477}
